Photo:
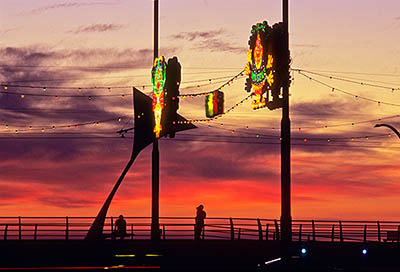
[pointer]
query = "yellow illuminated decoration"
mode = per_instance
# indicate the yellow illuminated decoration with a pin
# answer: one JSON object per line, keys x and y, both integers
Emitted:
{"x": 158, "y": 78}
{"x": 260, "y": 65}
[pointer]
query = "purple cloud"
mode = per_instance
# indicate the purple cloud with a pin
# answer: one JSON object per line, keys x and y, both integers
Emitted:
{"x": 98, "y": 28}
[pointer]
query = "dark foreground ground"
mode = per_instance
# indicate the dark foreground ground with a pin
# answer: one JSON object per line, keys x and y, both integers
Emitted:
{"x": 189, "y": 255}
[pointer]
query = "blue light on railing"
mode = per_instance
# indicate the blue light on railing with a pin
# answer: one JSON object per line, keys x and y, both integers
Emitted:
{"x": 303, "y": 251}
{"x": 364, "y": 251}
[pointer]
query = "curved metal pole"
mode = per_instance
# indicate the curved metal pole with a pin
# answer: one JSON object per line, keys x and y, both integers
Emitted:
{"x": 96, "y": 230}
{"x": 389, "y": 126}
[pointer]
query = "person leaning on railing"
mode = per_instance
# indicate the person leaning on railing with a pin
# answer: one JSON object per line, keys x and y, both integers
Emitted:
{"x": 120, "y": 228}
{"x": 200, "y": 216}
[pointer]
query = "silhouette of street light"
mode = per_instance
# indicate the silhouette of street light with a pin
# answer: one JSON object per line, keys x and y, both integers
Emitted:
{"x": 389, "y": 126}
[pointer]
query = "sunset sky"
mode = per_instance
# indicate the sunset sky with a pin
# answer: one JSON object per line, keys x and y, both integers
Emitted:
{"x": 70, "y": 47}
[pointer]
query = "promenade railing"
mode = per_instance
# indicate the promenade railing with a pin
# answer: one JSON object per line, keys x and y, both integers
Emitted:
{"x": 217, "y": 228}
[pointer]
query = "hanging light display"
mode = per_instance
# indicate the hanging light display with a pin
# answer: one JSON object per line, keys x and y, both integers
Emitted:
{"x": 158, "y": 78}
{"x": 267, "y": 66}
{"x": 214, "y": 103}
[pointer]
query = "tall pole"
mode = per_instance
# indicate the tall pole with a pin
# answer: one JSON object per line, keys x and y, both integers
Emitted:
{"x": 286, "y": 218}
{"x": 155, "y": 184}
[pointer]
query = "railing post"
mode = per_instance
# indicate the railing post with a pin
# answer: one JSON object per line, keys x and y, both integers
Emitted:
{"x": 341, "y": 231}
{"x": 19, "y": 228}
{"x": 260, "y": 235}
{"x": 365, "y": 233}
{"x": 66, "y": 228}
{"x": 204, "y": 230}
{"x": 239, "y": 233}
{"x": 379, "y": 231}
{"x": 131, "y": 231}
{"x": 232, "y": 229}
{"x": 35, "y": 234}
{"x": 276, "y": 229}
{"x": 163, "y": 231}
{"x": 112, "y": 227}
{"x": 313, "y": 230}
{"x": 300, "y": 232}
{"x": 333, "y": 233}
{"x": 398, "y": 233}
{"x": 5, "y": 232}
{"x": 266, "y": 232}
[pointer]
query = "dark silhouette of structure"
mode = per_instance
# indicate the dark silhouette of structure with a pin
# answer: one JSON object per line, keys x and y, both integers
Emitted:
{"x": 144, "y": 136}
{"x": 200, "y": 216}
{"x": 120, "y": 227}
{"x": 389, "y": 126}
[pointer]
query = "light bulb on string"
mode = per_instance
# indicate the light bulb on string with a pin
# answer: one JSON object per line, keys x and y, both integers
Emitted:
{"x": 44, "y": 89}
{"x": 56, "y": 97}
{"x": 379, "y": 103}
{"x": 53, "y": 127}
{"x": 42, "y": 129}
{"x": 5, "y": 87}
{"x": 7, "y": 126}
{"x": 89, "y": 97}
{"x": 30, "y": 127}
{"x": 122, "y": 96}
{"x": 109, "y": 90}
{"x": 16, "y": 131}
{"x": 333, "y": 89}
{"x": 119, "y": 119}
{"x": 305, "y": 140}
{"x": 79, "y": 90}
{"x": 143, "y": 87}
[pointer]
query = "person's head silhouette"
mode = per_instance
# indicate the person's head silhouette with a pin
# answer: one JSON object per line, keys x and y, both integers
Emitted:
{"x": 121, "y": 216}
{"x": 200, "y": 207}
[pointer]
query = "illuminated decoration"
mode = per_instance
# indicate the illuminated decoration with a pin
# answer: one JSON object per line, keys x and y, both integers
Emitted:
{"x": 214, "y": 103}
{"x": 158, "y": 78}
{"x": 267, "y": 66}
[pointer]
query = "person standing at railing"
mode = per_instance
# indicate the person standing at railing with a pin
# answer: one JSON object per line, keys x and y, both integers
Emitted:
{"x": 200, "y": 216}
{"x": 120, "y": 227}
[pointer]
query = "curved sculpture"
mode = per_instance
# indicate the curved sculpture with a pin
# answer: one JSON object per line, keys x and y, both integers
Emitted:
{"x": 389, "y": 126}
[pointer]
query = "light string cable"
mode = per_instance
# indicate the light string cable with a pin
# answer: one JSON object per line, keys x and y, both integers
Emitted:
{"x": 44, "y": 128}
{"x": 217, "y": 116}
{"x": 362, "y": 83}
{"x": 300, "y": 128}
{"x": 5, "y": 89}
{"x": 348, "y": 93}
{"x": 227, "y": 83}
{"x": 260, "y": 135}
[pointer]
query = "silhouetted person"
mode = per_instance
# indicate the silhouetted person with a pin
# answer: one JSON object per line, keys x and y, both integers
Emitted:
{"x": 200, "y": 216}
{"x": 120, "y": 227}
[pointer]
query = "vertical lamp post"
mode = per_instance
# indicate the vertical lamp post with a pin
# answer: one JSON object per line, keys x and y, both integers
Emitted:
{"x": 286, "y": 218}
{"x": 155, "y": 185}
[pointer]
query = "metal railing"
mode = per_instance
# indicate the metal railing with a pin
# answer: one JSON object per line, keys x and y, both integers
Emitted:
{"x": 75, "y": 228}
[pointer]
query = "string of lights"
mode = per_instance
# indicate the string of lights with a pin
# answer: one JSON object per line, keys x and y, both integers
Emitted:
{"x": 333, "y": 89}
{"x": 217, "y": 116}
{"x": 6, "y": 88}
{"x": 197, "y": 139}
{"x": 351, "y": 73}
{"x": 305, "y": 139}
{"x": 227, "y": 83}
{"x": 6, "y": 85}
{"x": 347, "y": 80}
{"x": 325, "y": 126}
{"x": 44, "y": 128}
{"x": 357, "y": 79}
